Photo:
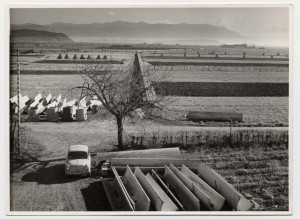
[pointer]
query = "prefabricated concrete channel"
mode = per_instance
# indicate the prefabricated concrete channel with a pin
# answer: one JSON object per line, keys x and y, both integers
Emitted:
{"x": 135, "y": 191}
{"x": 175, "y": 188}
{"x": 117, "y": 195}
{"x": 207, "y": 195}
{"x": 158, "y": 197}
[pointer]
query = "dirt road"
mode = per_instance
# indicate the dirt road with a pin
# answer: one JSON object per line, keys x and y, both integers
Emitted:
{"x": 42, "y": 186}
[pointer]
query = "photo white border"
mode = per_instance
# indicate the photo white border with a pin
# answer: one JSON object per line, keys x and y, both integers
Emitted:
{"x": 87, "y": 5}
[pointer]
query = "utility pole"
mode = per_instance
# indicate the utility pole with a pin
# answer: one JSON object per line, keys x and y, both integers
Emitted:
{"x": 19, "y": 93}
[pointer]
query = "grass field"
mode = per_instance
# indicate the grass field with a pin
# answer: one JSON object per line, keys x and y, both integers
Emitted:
{"x": 48, "y": 62}
{"x": 260, "y": 173}
{"x": 221, "y": 50}
{"x": 225, "y": 76}
{"x": 254, "y": 109}
{"x": 240, "y": 62}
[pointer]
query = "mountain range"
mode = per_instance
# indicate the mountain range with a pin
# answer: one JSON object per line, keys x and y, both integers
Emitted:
{"x": 122, "y": 29}
{"x": 29, "y": 35}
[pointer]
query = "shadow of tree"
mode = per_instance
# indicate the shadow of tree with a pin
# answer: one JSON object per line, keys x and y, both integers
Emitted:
{"x": 95, "y": 197}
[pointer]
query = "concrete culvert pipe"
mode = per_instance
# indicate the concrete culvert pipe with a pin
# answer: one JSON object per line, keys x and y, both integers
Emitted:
{"x": 94, "y": 109}
{"x": 52, "y": 114}
{"x": 68, "y": 113}
{"x": 214, "y": 116}
{"x": 81, "y": 114}
{"x": 33, "y": 115}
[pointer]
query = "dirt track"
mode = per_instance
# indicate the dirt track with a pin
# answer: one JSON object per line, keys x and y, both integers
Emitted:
{"x": 42, "y": 186}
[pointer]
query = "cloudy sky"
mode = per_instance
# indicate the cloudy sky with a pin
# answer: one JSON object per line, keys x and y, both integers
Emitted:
{"x": 250, "y": 22}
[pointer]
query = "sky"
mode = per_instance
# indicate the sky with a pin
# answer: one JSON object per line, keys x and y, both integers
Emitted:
{"x": 250, "y": 22}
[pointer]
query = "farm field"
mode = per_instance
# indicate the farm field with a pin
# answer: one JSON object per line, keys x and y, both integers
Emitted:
{"x": 54, "y": 55}
{"x": 225, "y": 76}
{"x": 31, "y": 85}
{"x": 212, "y": 60}
{"x": 171, "y": 76}
{"x": 49, "y": 68}
{"x": 254, "y": 109}
{"x": 222, "y": 89}
{"x": 220, "y": 50}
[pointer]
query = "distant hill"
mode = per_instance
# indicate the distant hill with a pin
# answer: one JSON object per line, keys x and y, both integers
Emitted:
{"x": 136, "y": 30}
{"x": 29, "y": 35}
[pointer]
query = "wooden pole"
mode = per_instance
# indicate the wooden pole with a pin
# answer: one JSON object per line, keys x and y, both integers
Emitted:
{"x": 19, "y": 92}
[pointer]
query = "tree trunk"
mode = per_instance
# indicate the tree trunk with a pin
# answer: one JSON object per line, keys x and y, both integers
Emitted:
{"x": 120, "y": 133}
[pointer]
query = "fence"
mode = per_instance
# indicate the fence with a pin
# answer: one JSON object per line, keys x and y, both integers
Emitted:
{"x": 186, "y": 139}
{"x": 216, "y": 68}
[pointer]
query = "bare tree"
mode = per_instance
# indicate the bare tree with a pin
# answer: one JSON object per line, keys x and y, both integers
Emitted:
{"x": 122, "y": 90}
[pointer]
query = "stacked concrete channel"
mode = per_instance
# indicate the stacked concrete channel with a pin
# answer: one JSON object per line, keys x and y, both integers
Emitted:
{"x": 141, "y": 77}
{"x": 169, "y": 184}
{"x": 53, "y": 109}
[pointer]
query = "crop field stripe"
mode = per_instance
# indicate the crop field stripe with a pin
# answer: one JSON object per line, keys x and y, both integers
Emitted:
{"x": 222, "y": 89}
{"x": 49, "y": 72}
{"x": 79, "y": 61}
{"x": 228, "y": 63}
{"x": 240, "y": 57}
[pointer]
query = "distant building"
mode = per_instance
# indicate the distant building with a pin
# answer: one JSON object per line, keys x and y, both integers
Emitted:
{"x": 237, "y": 46}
